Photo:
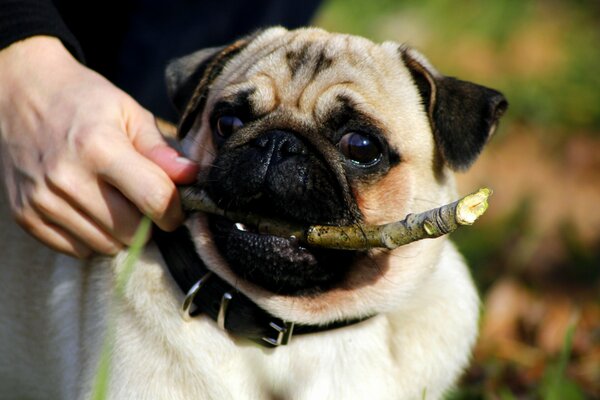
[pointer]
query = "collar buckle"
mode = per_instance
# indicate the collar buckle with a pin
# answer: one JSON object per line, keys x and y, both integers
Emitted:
{"x": 188, "y": 301}
{"x": 280, "y": 331}
{"x": 282, "y": 334}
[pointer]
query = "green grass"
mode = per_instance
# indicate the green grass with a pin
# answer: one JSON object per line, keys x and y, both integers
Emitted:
{"x": 102, "y": 379}
{"x": 555, "y": 383}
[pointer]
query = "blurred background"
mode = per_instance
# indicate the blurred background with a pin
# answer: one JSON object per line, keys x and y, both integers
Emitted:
{"x": 535, "y": 256}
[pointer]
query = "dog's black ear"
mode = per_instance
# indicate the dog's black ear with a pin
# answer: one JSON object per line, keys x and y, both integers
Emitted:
{"x": 184, "y": 74}
{"x": 463, "y": 115}
{"x": 189, "y": 79}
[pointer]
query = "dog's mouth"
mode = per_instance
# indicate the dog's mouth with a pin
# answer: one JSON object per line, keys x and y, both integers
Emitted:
{"x": 278, "y": 264}
{"x": 280, "y": 175}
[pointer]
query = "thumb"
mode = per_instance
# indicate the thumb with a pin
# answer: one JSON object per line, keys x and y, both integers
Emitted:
{"x": 151, "y": 144}
{"x": 180, "y": 169}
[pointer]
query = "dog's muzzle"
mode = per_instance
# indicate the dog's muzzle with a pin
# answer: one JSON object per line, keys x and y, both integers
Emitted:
{"x": 282, "y": 175}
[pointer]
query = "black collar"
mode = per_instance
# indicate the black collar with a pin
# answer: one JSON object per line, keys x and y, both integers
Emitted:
{"x": 212, "y": 296}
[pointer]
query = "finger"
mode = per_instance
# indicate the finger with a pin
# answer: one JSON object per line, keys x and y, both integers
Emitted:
{"x": 141, "y": 181}
{"x": 180, "y": 169}
{"x": 101, "y": 202}
{"x": 149, "y": 141}
{"x": 53, "y": 236}
{"x": 56, "y": 211}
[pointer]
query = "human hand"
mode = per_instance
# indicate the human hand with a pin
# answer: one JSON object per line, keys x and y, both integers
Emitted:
{"x": 82, "y": 161}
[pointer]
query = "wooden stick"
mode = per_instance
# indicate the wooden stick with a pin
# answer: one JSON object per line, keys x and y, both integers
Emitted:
{"x": 428, "y": 224}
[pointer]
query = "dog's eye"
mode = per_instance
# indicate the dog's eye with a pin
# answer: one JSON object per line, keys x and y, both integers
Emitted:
{"x": 227, "y": 124}
{"x": 360, "y": 148}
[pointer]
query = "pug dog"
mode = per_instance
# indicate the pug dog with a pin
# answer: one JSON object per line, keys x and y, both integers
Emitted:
{"x": 303, "y": 126}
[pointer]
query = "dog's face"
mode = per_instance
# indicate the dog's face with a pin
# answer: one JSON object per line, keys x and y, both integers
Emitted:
{"x": 318, "y": 128}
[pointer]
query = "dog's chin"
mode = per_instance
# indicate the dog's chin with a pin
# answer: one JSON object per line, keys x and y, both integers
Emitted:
{"x": 279, "y": 265}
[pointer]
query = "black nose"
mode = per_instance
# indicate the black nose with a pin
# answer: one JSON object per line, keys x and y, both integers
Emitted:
{"x": 279, "y": 145}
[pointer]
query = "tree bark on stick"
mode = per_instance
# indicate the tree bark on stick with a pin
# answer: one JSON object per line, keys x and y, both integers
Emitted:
{"x": 428, "y": 224}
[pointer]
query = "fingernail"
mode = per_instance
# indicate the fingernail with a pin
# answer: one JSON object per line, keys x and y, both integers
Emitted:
{"x": 183, "y": 160}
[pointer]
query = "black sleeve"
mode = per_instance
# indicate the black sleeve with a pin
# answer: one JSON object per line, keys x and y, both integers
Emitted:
{"x": 20, "y": 19}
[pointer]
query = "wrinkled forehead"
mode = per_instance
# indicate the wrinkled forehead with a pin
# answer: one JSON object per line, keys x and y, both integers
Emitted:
{"x": 310, "y": 71}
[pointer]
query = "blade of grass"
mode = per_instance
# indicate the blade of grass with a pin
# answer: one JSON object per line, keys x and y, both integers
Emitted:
{"x": 565, "y": 355}
{"x": 137, "y": 245}
{"x": 100, "y": 390}
{"x": 555, "y": 384}
{"x": 101, "y": 381}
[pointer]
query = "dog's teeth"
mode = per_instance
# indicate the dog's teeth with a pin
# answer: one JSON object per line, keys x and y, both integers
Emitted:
{"x": 241, "y": 227}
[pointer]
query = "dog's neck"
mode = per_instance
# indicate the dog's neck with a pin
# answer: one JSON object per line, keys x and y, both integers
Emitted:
{"x": 233, "y": 311}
